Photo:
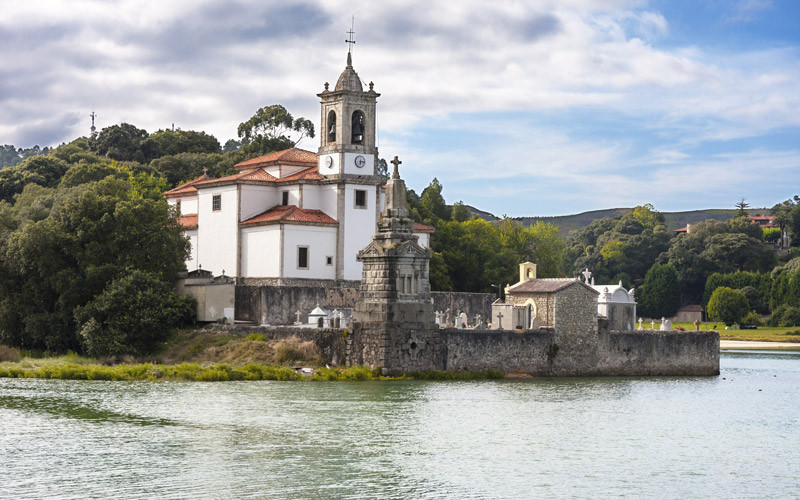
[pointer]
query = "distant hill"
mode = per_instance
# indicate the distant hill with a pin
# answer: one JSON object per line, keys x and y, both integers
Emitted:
{"x": 566, "y": 224}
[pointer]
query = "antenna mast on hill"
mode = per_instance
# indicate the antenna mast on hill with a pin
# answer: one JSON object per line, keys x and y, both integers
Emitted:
{"x": 93, "y": 115}
{"x": 350, "y": 40}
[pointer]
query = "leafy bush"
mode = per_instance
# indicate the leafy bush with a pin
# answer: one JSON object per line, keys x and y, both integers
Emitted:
{"x": 256, "y": 337}
{"x": 131, "y": 316}
{"x": 753, "y": 298}
{"x": 790, "y": 317}
{"x": 728, "y": 305}
{"x": 752, "y": 319}
{"x": 761, "y": 282}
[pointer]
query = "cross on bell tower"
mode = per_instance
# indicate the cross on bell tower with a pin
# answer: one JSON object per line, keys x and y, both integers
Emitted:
{"x": 350, "y": 40}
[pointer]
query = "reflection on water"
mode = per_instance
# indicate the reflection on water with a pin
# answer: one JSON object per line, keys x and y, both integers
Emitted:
{"x": 735, "y": 435}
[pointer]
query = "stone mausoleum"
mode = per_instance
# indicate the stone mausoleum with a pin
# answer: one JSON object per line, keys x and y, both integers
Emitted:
{"x": 393, "y": 322}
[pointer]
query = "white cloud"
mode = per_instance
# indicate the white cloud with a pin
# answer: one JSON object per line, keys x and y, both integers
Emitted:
{"x": 208, "y": 65}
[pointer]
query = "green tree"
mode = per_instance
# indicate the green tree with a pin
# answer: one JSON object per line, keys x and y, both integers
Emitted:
{"x": 438, "y": 274}
{"x": 9, "y": 156}
{"x": 184, "y": 167}
{"x": 761, "y": 283}
{"x": 727, "y": 305}
{"x": 273, "y": 128}
{"x": 95, "y": 234}
{"x": 131, "y": 315}
{"x": 432, "y": 204}
{"x": 173, "y": 142}
{"x": 124, "y": 142}
{"x": 660, "y": 295}
{"x": 623, "y": 247}
{"x": 460, "y": 212}
{"x": 42, "y": 170}
{"x": 741, "y": 207}
{"x": 715, "y": 246}
{"x": 231, "y": 145}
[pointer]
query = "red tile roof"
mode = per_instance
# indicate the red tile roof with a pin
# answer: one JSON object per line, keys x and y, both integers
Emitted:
{"x": 290, "y": 213}
{"x": 307, "y": 174}
{"x": 547, "y": 285}
{"x": 422, "y": 228}
{"x": 253, "y": 174}
{"x": 186, "y": 188}
{"x": 287, "y": 156}
{"x": 188, "y": 221}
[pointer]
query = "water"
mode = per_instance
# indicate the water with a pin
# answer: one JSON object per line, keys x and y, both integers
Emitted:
{"x": 732, "y": 436}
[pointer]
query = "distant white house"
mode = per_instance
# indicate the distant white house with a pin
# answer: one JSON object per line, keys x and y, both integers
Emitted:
{"x": 294, "y": 214}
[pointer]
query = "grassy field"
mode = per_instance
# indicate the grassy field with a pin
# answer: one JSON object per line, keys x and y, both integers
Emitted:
{"x": 762, "y": 334}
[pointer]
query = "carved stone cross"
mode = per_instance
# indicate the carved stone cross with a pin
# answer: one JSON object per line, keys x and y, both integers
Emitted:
{"x": 395, "y": 162}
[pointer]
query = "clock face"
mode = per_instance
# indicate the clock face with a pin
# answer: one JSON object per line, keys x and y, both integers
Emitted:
{"x": 360, "y": 161}
{"x": 329, "y": 162}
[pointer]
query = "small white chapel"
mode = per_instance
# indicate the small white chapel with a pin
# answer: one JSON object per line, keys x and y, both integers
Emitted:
{"x": 294, "y": 215}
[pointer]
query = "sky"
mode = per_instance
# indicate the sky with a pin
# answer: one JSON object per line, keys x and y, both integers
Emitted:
{"x": 523, "y": 108}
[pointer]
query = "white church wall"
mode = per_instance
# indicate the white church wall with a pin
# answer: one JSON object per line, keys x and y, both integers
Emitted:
{"x": 257, "y": 199}
{"x": 217, "y": 230}
{"x": 261, "y": 247}
{"x": 424, "y": 239}
{"x": 321, "y": 243}
{"x": 191, "y": 261}
{"x": 294, "y": 194}
{"x": 188, "y": 204}
{"x": 310, "y": 197}
{"x": 325, "y": 200}
{"x": 359, "y": 226}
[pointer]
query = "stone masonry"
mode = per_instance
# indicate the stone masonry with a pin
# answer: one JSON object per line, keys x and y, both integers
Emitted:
{"x": 393, "y": 322}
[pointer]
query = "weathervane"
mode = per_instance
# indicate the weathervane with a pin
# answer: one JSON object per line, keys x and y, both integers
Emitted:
{"x": 350, "y": 38}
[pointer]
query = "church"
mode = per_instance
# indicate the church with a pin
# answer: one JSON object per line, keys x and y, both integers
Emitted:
{"x": 294, "y": 216}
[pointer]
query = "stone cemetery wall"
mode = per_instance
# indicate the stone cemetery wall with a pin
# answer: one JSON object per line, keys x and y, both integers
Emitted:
{"x": 649, "y": 352}
{"x": 545, "y": 353}
{"x": 507, "y": 351}
{"x": 276, "y": 305}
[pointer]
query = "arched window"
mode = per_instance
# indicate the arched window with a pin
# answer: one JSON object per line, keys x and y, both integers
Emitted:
{"x": 357, "y": 128}
{"x": 332, "y": 126}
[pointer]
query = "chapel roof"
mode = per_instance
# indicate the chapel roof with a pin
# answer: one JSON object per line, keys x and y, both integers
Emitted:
{"x": 349, "y": 79}
{"x": 291, "y": 156}
{"x": 187, "y": 221}
{"x": 547, "y": 285}
{"x": 290, "y": 213}
{"x": 186, "y": 188}
{"x": 422, "y": 228}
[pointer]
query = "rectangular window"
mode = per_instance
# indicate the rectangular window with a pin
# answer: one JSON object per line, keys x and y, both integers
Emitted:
{"x": 361, "y": 198}
{"x": 178, "y": 206}
{"x": 216, "y": 202}
{"x": 328, "y": 260}
{"x": 285, "y": 200}
{"x": 302, "y": 257}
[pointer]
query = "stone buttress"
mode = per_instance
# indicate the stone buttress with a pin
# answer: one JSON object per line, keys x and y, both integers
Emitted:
{"x": 393, "y": 323}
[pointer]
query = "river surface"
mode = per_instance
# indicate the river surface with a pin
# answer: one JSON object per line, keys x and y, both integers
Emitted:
{"x": 732, "y": 436}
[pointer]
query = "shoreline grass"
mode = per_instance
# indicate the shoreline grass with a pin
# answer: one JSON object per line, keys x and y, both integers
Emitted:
{"x": 88, "y": 369}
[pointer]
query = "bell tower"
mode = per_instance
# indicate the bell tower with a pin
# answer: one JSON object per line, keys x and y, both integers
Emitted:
{"x": 347, "y": 138}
